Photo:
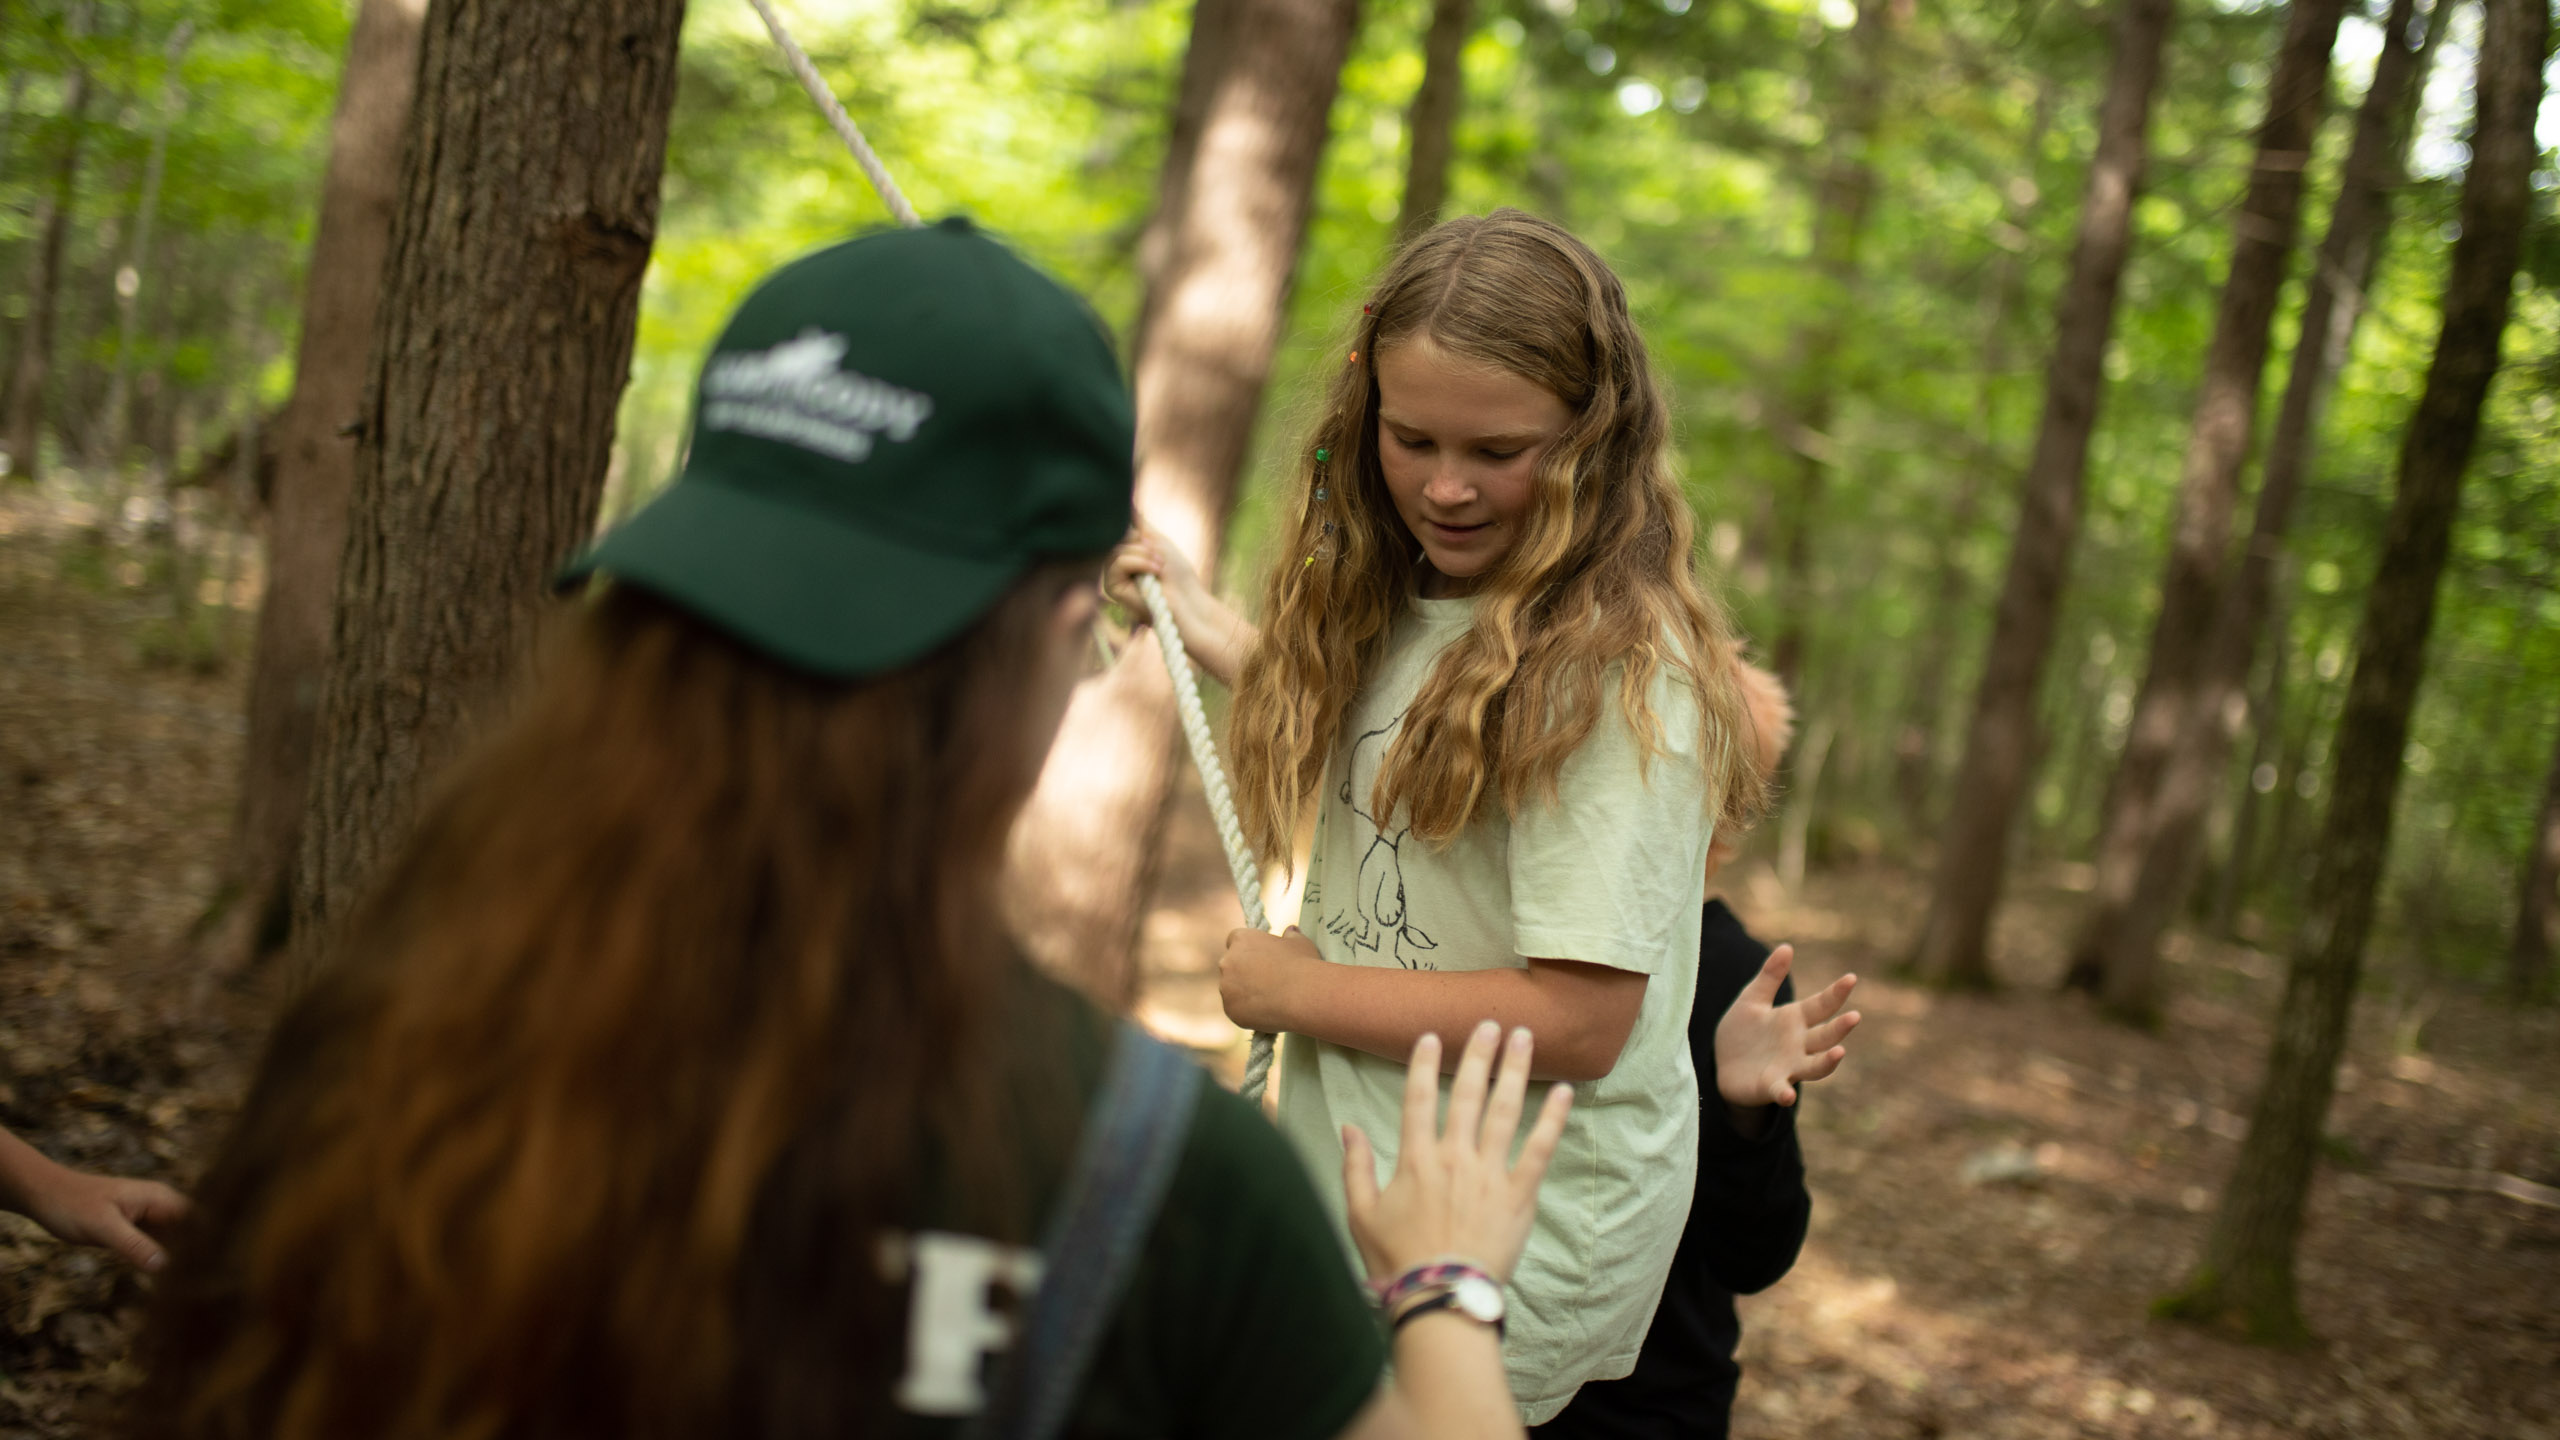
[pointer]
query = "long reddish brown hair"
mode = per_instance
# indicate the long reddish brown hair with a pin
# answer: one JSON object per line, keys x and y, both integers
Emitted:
{"x": 502, "y": 1163}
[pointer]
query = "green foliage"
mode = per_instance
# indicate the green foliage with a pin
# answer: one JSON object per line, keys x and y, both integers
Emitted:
{"x": 243, "y": 92}
{"x": 1686, "y": 142}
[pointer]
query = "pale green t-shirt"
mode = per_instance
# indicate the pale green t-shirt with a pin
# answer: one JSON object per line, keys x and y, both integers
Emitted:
{"x": 1613, "y": 873}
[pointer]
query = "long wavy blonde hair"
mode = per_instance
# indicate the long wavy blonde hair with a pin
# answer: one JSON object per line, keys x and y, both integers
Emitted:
{"x": 1601, "y": 580}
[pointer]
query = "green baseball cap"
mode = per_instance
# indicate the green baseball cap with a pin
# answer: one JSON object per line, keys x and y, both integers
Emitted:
{"x": 887, "y": 435}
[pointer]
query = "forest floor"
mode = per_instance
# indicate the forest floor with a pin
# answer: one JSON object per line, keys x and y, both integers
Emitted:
{"x": 2002, "y": 1183}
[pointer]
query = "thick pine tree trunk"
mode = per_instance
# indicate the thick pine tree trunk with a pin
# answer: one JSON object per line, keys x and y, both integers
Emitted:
{"x": 312, "y": 450}
{"x": 2122, "y": 940}
{"x": 528, "y": 202}
{"x": 2226, "y": 419}
{"x": 2538, "y": 899}
{"x": 1972, "y": 856}
{"x": 1232, "y": 216}
{"x": 1844, "y": 199}
{"x": 22, "y": 407}
{"x": 2246, "y": 1277}
{"x": 1431, "y": 125}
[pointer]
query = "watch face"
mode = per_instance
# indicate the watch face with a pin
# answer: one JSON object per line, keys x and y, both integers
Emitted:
{"x": 1478, "y": 1299}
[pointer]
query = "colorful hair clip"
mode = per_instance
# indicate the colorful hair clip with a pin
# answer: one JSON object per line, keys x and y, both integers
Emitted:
{"x": 1322, "y": 455}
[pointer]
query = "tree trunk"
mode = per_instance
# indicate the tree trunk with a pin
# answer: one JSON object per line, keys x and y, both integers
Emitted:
{"x": 2266, "y": 720}
{"x": 2538, "y": 899}
{"x": 2246, "y": 1277}
{"x": 22, "y": 414}
{"x": 1431, "y": 125}
{"x": 1205, "y": 62}
{"x": 304, "y": 470}
{"x": 113, "y": 426}
{"x": 1918, "y": 747}
{"x": 1972, "y": 857}
{"x": 2218, "y": 443}
{"x": 2122, "y": 939}
{"x": 1844, "y": 198}
{"x": 1233, "y": 217}
{"x": 528, "y": 202}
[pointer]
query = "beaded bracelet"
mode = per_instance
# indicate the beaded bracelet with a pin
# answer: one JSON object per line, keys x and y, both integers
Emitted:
{"x": 1429, "y": 1275}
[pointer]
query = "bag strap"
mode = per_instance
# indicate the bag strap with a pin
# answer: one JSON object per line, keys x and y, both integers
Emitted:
{"x": 1133, "y": 1136}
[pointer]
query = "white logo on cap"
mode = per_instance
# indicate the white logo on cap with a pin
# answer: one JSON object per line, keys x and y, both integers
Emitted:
{"x": 795, "y": 394}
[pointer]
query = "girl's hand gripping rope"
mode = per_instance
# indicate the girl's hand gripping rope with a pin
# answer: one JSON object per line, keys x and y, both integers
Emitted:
{"x": 1257, "y": 971}
{"x": 1215, "y": 636}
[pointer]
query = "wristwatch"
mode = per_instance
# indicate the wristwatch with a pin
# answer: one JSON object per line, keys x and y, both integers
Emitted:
{"x": 1473, "y": 1295}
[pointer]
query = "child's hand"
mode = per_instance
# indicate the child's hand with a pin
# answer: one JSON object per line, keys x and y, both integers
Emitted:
{"x": 1764, "y": 1050}
{"x": 1452, "y": 1195}
{"x": 1146, "y": 551}
{"x": 86, "y": 1209}
{"x": 1215, "y": 635}
{"x": 1255, "y": 977}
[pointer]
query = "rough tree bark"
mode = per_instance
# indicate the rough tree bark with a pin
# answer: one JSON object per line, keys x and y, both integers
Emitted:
{"x": 2218, "y": 444}
{"x": 22, "y": 413}
{"x": 528, "y": 202}
{"x": 1431, "y": 125}
{"x": 1233, "y": 219}
{"x": 1917, "y": 745}
{"x": 2121, "y": 943}
{"x": 1972, "y": 855}
{"x": 1844, "y": 199}
{"x": 2538, "y": 899}
{"x": 2246, "y": 1277}
{"x": 306, "y": 466}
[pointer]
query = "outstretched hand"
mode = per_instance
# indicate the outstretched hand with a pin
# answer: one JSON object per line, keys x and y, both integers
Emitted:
{"x": 102, "y": 1210}
{"x": 1455, "y": 1194}
{"x": 1764, "y": 1050}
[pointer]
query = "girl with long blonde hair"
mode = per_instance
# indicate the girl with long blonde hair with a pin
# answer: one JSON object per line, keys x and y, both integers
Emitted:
{"x": 1487, "y": 666}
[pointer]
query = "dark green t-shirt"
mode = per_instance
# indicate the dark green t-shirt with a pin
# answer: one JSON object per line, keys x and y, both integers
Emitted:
{"x": 1240, "y": 1320}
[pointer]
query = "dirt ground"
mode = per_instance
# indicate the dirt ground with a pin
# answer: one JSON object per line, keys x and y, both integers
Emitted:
{"x": 2002, "y": 1184}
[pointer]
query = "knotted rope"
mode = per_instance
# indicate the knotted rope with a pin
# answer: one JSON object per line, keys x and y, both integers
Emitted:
{"x": 1186, "y": 686}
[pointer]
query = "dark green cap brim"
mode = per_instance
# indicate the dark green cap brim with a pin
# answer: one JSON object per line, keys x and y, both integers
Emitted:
{"x": 816, "y": 595}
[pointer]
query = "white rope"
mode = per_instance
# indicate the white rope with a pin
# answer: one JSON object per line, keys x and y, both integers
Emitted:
{"x": 816, "y": 85}
{"x": 1186, "y": 687}
{"x": 1222, "y": 803}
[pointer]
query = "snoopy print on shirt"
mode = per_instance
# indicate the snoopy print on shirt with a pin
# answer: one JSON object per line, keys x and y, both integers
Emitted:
{"x": 1378, "y": 918}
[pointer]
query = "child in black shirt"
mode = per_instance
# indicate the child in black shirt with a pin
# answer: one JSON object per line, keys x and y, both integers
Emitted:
{"x": 1747, "y": 1219}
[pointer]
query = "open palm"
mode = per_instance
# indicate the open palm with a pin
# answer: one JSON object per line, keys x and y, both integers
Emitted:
{"x": 1764, "y": 1050}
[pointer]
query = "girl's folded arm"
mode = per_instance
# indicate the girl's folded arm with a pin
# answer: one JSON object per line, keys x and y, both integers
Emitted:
{"x": 1581, "y": 1013}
